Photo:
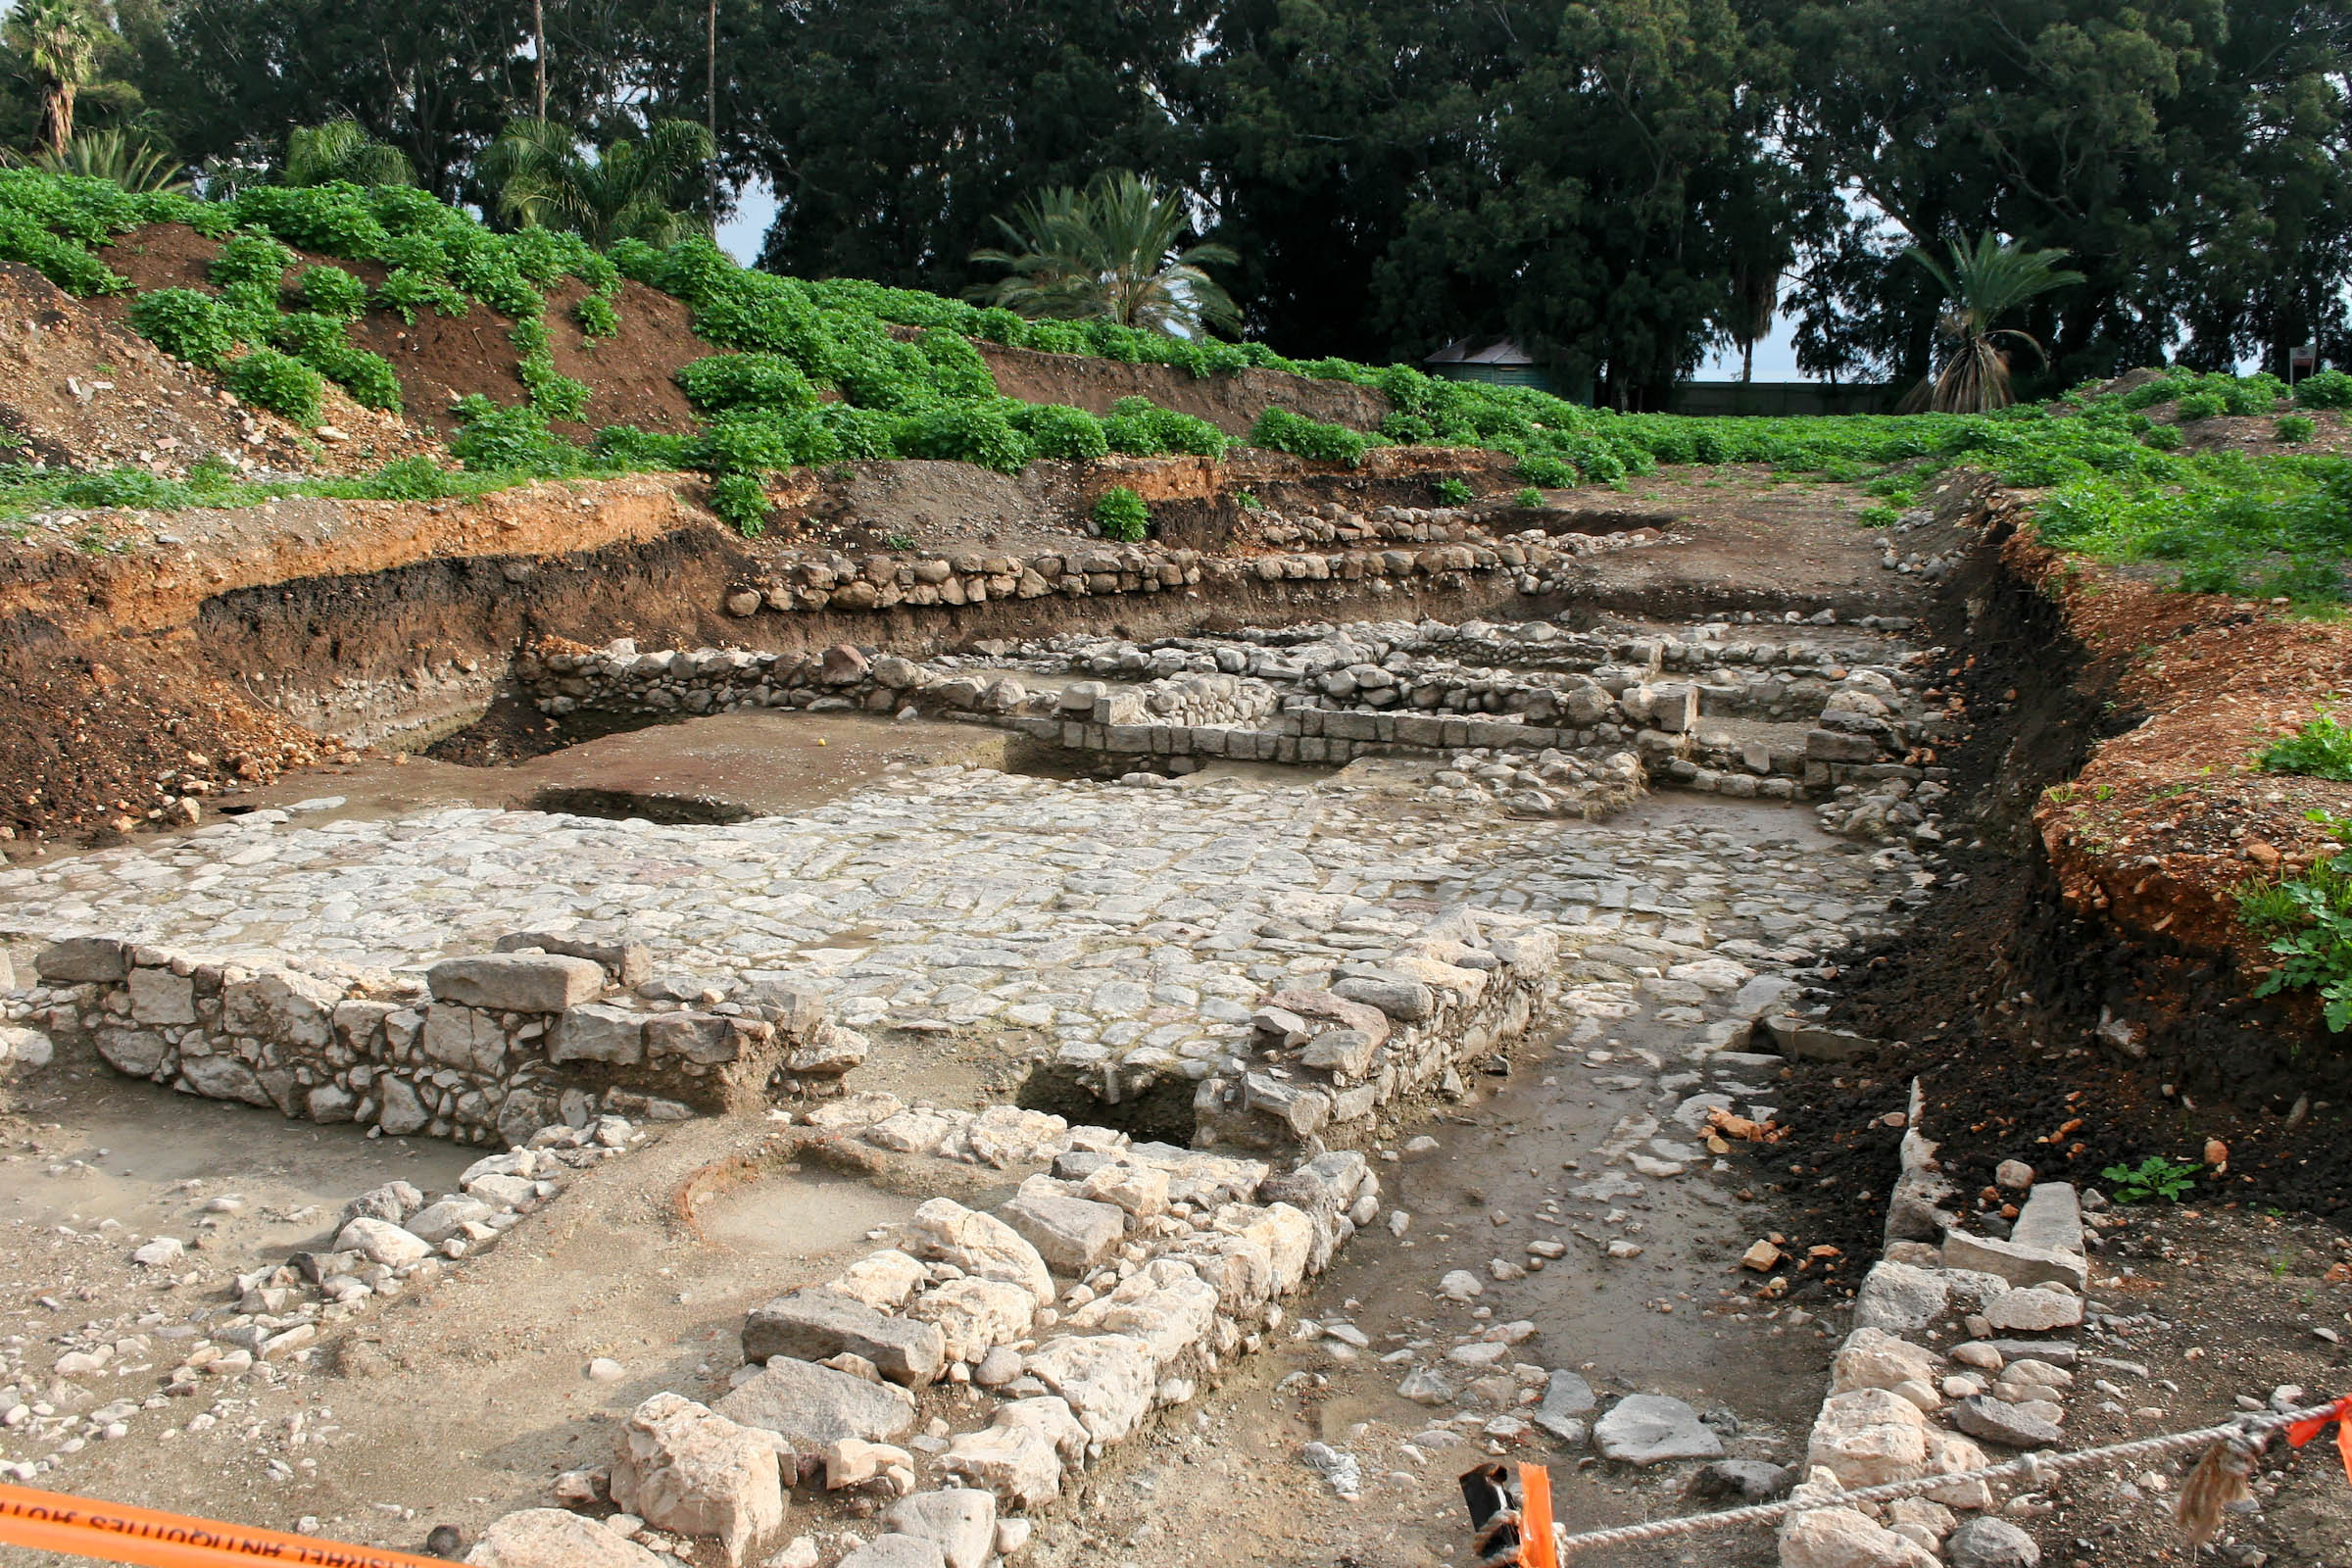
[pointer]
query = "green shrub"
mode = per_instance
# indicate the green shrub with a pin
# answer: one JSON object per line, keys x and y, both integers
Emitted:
{"x": 756, "y": 441}
{"x": 2162, "y": 438}
{"x": 332, "y": 291}
{"x": 407, "y": 291}
{"x": 2321, "y": 749}
{"x": 624, "y": 446}
{"x": 1056, "y": 431}
{"x": 1454, "y": 493}
{"x": 957, "y": 368}
{"x": 964, "y": 433}
{"x": 742, "y": 501}
{"x": 369, "y": 377}
{"x": 2307, "y": 919}
{"x": 858, "y": 434}
{"x": 278, "y": 382}
{"x": 1550, "y": 473}
{"x": 1120, "y": 514}
{"x": 1140, "y": 426}
{"x": 1281, "y": 430}
{"x": 1529, "y": 497}
{"x": 2293, "y": 429}
{"x": 251, "y": 259}
{"x": 67, "y": 265}
{"x": 1000, "y": 326}
{"x": 412, "y": 479}
{"x": 493, "y": 438}
{"x": 2325, "y": 389}
{"x": 187, "y": 322}
{"x": 334, "y": 220}
{"x": 746, "y": 381}
{"x": 2201, "y": 406}
{"x": 596, "y": 317}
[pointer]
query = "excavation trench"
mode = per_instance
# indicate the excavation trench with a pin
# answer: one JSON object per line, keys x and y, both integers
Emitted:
{"x": 1010, "y": 925}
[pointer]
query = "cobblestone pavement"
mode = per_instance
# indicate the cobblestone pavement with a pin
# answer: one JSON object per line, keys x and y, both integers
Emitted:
{"x": 1112, "y": 921}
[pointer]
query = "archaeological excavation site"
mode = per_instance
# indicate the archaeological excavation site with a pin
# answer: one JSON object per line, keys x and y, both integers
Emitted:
{"x": 655, "y": 914}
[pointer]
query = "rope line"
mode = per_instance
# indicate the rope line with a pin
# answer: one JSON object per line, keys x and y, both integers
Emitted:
{"x": 2029, "y": 1467}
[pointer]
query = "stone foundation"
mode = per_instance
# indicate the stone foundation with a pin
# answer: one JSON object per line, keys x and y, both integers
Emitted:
{"x": 481, "y": 1050}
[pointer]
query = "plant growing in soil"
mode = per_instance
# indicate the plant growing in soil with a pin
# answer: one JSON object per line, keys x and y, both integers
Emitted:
{"x": 1529, "y": 497}
{"x": 276, "y": 381}
{"x": 2321, "y": 749}
{"x": 1122, "y": 516}
{"x": 2308, "y": 921}
{"x": 2153, "y": 1177}
{"x": 2326, "y": 389}
{"x": 742, "y": 500}
{"x": 1453, "y": 492}
{"x": 2295, "y": 428}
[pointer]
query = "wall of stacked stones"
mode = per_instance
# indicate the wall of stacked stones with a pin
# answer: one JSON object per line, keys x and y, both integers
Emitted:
{"x": 481, "y": 1050}
{"x": 1403, "y": 1024}
{"x": 1445, "y": 555}
{"x": 1270, "y": 708}
{"x": 1963, "y": 1342}
{"x": 1108, "y": 1288}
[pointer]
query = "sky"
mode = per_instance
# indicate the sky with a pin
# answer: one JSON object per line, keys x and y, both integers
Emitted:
{"x": 1775, "y": 355}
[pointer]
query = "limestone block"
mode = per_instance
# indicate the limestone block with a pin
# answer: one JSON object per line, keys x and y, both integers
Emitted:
{"x": 282, "y": 1005}
{"x": 1869, "y": 1437}
{"x": 1107, "y": 1379}
{"x": 556, "y": 1538}
{"x": 981, "y": 1245}
{"x": 1872, "y": 1358}
{"x": 975, "y": 1315}
{"x": 816, "y": 1324}
{"x": 812, "y": 1405}
{"x": 1071, "y": 1234}
{"x": 517, "y": 982}
{"x": 595, "y": 1032}
{"x": 683, "y": 1467}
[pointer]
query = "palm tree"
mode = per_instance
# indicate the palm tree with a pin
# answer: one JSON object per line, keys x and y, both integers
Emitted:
{"x": 58, "y": 42}
{"x": 1981, "y": 287}
{"x": 544, "y": 180}
{"x": 1109, "y": 250}
{"x": 126, "y": 158}
{"x": 342, "y": 149}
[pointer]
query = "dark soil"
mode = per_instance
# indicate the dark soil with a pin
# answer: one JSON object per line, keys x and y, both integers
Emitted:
{"x": 2226, "y": 1307}
{"x": 1993, "y": 995}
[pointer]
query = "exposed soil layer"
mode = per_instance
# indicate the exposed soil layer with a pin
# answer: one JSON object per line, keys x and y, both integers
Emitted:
{"x": 2228, "y": 1307}
{"x": 2043, "y": 1028}
{"x": 76, "y": 391}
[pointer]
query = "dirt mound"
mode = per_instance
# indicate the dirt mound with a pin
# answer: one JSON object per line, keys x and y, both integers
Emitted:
{"x": 440, "y": 358}
{"x": 78, "y": 391}
{"x": 1231, "y": 403}
{"x": 91, "y": 749}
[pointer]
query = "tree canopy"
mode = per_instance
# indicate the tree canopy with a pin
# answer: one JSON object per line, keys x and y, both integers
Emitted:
{"x": 1621, "y": 185}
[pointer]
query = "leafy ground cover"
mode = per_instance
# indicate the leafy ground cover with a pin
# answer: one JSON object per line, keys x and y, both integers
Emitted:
{"x": 822, "y": 372}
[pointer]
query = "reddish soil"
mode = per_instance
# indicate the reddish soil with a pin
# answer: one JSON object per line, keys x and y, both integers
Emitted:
{"x": 76, "y": 391}
{"x": 442, "y": 358}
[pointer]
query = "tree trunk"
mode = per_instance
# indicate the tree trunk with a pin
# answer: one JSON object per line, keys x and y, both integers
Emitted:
{"x": 1747, "y": 361}
{"x": 711, "y": 75}
{"x": 57, "y": 117}
{"x": 539, "y": 54}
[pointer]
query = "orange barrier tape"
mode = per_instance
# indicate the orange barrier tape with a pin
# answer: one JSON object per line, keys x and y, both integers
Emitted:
{"x": 115, "y": 1532}
{"x": 1536, "y": 1549}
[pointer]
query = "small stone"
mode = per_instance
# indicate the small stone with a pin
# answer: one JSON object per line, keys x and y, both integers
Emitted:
{"x": 2014, "y": 1174}
{"x": 1762, "y": 1256}
{"x": 603, "y": 1370}
{"x": 1984, "y": 1542}
{"x": 1746, "y": 1479}
{"x": 1646, "y": 1429}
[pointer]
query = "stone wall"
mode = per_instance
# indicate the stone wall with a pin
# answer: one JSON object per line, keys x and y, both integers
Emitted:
{"x": 483, "y": 1049}
{"x": 1859, "y": 735}
{"x": 1447, "y": 554}
{"x": 1960, "y": 1338}
{"x": 1390, "y": 1026}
